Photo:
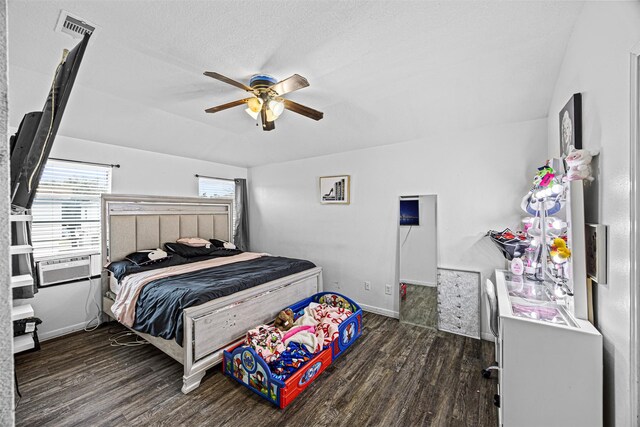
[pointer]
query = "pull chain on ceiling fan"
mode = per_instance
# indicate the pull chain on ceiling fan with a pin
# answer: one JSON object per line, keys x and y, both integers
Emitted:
{"x": 267, "y": 101}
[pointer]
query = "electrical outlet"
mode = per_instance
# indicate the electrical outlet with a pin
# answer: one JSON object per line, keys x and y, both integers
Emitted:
{"x": 336, "y": 284}
{"x": 367, "y": 285}
{"x": 387, "y": 289}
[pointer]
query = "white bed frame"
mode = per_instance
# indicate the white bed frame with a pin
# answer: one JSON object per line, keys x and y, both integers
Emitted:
{"x": 131, "y": 223}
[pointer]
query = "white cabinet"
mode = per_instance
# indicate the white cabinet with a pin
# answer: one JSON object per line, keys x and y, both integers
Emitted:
{"x": 459, "y": 302}
{"x": 550, "y": 362}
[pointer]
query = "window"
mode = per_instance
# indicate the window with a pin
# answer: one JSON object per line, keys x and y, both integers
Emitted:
{"x": 216, "y": 188}
{"x": 66, "y": 209}
{"x": 220, "y": 189}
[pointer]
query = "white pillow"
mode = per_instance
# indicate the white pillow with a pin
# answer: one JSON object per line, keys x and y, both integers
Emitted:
{"x": 194, "y": 242}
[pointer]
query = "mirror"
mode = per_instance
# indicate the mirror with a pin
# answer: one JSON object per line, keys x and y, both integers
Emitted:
{"x": 418, "y": 260}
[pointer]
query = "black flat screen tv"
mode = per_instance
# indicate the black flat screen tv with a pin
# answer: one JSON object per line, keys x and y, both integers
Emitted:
{"x": 410, "y": 212}
{"x": 31, "y": 144}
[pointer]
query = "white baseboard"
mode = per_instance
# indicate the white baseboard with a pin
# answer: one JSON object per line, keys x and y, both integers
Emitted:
{"x": 44, "y": 336}
{"x": 380, "y": 311}
{"x": 488, "y": 336}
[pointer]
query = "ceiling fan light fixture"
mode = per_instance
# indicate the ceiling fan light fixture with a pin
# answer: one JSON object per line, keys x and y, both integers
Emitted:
{"x": 253, "y": 114}
{"x": 276, "y": 107}
{"x": 266, "y": 101}
{"x": 270, "y": 116}
{"x": 255, "y": 104}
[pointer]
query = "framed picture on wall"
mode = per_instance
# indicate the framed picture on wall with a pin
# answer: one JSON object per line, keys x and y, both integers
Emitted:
{"x": 335, "y": 189}
{"x": 571, "y": 125}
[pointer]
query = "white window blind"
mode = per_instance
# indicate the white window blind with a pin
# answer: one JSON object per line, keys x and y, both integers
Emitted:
{"x": 66, "y": 209}
{"x": 217, "y": 188}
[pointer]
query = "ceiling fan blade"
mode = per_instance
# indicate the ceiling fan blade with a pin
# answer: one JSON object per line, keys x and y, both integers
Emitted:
{"x": 289, "y": 84}
{"x": 227, "y": 80}
{"x": 302, "y": 109}
{"x": 227, "y": 105}
{"x": 266, "y": 125}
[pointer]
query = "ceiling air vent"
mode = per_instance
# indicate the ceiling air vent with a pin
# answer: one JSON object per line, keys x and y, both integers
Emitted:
{"x": 73, "y": 25}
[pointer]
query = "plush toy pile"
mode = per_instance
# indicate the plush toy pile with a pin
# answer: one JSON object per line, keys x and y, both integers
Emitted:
{"x": 291, "y": 342}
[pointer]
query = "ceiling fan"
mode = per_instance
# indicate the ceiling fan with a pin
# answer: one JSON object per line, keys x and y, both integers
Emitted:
{"x": 267, "y": 101}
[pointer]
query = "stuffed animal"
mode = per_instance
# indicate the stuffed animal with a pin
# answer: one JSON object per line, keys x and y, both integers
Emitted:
{"x": 284, "y": 321}
{"x": 157, "y": 254}
{"x": 579, "y": 163}
{"x": 544, "y": 177}
{"x": 559, "y": 250}
{"x": 335, "y": 301}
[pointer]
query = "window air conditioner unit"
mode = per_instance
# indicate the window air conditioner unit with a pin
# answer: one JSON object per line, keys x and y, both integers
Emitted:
{"x": 70, "y": 269}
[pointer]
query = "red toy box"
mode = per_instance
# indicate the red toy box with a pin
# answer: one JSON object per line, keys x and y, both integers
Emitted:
{"x": 244, "y": 365}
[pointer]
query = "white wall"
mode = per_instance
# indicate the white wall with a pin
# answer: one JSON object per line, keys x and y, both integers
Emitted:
{"x": 6, "y": 336}
{"x": 596, "y": 64}
{"x": 479, "y": 177}
{"x": 145, "y": 172}
{"x": 69, "y": 307}
{"x": 418, "y": 246}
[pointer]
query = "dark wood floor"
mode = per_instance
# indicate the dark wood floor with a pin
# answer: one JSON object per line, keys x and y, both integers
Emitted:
{"x": 394, "y": 374}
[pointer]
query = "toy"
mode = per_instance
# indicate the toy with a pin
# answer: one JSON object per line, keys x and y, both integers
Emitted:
{"x": 559, "y": 251}
{"x": 335, "y": 301}
{"x": 284, "y": 320}
{"x": 545, "y": 193}
{"x": 579, "y": 163}
{"x": 157, "y": 254}
{"x": 282, "y": 380}
{"x": 544, "y": 177}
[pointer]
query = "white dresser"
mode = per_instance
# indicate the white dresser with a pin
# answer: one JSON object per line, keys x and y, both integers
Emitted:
{"x": 550, "y": 362}
{"x": 459, "y": 302}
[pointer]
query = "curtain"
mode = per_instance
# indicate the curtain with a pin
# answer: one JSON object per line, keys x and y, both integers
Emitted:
{"x": 241, "y": 229}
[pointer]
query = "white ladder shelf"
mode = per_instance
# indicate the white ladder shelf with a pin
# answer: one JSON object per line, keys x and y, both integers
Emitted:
{"x": 25, "y": 341}
{"x": 21, "y": 280}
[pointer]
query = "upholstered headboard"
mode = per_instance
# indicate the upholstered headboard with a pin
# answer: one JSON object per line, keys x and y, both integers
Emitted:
{"x": 132, "y": 223}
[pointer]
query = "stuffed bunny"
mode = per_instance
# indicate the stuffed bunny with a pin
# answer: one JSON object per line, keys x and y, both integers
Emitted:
{"x": 579, "y": 163}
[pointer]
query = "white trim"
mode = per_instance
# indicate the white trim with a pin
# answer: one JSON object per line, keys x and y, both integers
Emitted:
{"x": 488, "y": 336}
{"x": 634, "y": 223}
{"x": 380, "y": 311}
{"x": 44, "y": 336}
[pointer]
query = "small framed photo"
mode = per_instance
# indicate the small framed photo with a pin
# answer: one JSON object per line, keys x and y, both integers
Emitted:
{"x": 335, "y": 189}
{"x": 571, "y": 125}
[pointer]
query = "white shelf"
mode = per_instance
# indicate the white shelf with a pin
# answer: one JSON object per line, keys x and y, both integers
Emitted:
{"x": 18, "y": 218}
{"x": 22, "y": 280}
{"x": 20, "y": 249}
{"x": 21, "y": 312}
{"x": 23, "y": 343}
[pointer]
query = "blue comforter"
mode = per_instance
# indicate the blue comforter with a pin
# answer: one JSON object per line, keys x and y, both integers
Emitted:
{"x": 160, "y": 304}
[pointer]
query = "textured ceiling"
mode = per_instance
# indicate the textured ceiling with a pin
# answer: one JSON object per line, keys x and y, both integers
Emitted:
{"x": 383, "y": 72}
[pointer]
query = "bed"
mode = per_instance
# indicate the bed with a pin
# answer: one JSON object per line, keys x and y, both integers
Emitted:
{"x": 131, "y": 223}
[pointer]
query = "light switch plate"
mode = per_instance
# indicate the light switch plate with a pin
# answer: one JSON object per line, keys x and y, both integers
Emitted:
{"x": 596, "y": 252}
